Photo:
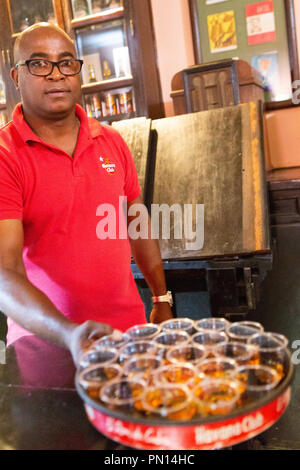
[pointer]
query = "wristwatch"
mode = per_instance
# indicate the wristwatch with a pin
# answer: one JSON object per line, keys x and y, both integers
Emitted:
{"x": 164, "y": 298}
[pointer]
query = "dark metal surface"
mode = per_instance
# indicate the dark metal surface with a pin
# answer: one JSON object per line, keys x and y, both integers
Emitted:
{"x": 215, "y": 158}
{"x": 39, "y": 406}
{"x": 136, "y": 133}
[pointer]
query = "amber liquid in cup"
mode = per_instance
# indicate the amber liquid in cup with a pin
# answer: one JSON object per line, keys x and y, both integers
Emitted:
{"x": 242, "y": 353}
{"x": 170, "y": 401}
{"x": 174, "y": 374}
{"x": 216, "y": 396}
{"x": 272, "y": 351}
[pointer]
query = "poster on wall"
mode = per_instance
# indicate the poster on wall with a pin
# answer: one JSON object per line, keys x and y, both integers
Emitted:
{"x": 222, "y": 31}
{"x": 267, "y": 65}
{"x": 260, "y": 22}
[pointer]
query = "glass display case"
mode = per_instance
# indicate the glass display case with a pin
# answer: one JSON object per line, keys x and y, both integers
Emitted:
{"x": 111, "y": 105}
{"x": 114, "y": 38}
{"x": 24, "y": 13}
{"x": 107, "y": 81}
{"x": 2, "y": 92}
{"x": 83, "y": 8}
{"x": 3, "y": 118}
{"x": 104, "y": 51}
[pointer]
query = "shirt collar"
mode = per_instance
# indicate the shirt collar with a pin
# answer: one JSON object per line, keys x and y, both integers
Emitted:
{"x": 89, "y": 128}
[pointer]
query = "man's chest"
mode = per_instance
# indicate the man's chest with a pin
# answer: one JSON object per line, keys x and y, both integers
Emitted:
{"x": 56, "y": 185}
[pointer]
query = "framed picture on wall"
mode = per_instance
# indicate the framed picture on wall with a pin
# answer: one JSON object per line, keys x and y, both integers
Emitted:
{"x": 265, "y": 35}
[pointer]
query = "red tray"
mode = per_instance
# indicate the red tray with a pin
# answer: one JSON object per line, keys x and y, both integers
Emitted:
{"x": 196, "y": 434}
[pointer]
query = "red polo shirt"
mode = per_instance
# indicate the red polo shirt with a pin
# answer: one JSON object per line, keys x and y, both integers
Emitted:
{"x": 64, "y": 204}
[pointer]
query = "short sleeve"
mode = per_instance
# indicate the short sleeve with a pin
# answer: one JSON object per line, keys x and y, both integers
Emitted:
{"x": 131, "y": 188}
{"x": 11, "y": 199}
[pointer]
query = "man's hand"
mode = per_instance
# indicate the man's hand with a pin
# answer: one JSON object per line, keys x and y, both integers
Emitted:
{"x": 161, "y": 311}
{"x": 83, "y": 336}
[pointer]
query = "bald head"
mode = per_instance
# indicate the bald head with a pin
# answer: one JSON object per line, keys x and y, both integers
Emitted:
{"x": 52, "y": 96}
{"x": 37, "y": 32}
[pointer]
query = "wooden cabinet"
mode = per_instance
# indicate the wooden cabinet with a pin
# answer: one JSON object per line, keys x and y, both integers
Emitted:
{"x": 215, "y": 85}
{"x": 114, "y": 38}
{"x": 9, "y": 96}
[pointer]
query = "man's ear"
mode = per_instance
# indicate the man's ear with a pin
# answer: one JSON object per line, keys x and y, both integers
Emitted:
{"x": 14, "y": 74}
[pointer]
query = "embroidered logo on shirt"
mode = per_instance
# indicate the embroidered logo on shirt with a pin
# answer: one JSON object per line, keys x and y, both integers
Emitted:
{"x": 107, "y": 165}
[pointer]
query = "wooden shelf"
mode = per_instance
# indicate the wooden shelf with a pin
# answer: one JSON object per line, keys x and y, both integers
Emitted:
{"x": 97, "y": 18}
{"x": 107, "y": 85}
{"x": 3, "y": 107}
{"x": 117, "y": 117}
{"x": 273, "y": 105}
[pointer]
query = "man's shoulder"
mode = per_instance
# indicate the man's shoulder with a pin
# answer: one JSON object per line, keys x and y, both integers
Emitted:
{"x": 8, "y": 136}
{"x": 99, "y": 129}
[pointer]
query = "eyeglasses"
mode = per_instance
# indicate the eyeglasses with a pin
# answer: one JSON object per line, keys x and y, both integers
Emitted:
{"x": 43, "y": 67}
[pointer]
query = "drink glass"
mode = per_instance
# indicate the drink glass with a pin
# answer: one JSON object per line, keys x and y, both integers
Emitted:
{"x": 123, "y": 394}
{"x": 100, "y": 356}
{"x": 188, "y": 353}
{"x": 185, "y": 324}
{"x": 219, "y": 368}
{"x": 172, "y": 401}
{"x": 241, "y": 331}
{"x": 216, "y": 396}
{"x": 240, "y": 352}
{"x": 219, "y": 324}
{"x": 272, "y": 351}
{"x": 255, "y": 381}
{"x": 281, "y": 338}
{"x": 146, "y": 331}
{"x": 94, "y": 377}
{"x": 173, "y": 373}
{"x": 209, "y": 339}
{"x": 137, "y": 348}
{"x": 112, "y": 341}
{"x": 167, "y": 339}
{"x": 142, "y": 366}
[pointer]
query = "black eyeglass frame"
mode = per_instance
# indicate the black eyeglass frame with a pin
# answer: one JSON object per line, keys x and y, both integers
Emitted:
{"x": 53, "y": 64}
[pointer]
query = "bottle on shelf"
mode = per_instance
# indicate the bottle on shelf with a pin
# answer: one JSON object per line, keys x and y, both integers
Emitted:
{"x": 92, "y": 73}
{"x": 2, "y": 92}
{"x": 106, "y": 70}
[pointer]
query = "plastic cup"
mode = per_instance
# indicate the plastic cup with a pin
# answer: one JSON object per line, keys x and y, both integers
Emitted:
{"x": 219, "y": 324}
{"x": 112, "y": 341}
{"x": 100, "y": 356}
{"x": 173, "y": 373}
{"x": 142, "y": 367}
{"x": 189, "y": 353}
{"x": 185, "y": 324}
{"x": 281, "y": 338}
{"x": 94, "y": 377}
{"x": 136, "y": 349}
{"x": 172, "y": 401}
{"x": 272, "y": 351}
{"x": 218, "y": 368}
{"x": 256, "y": 381}
{"x": 216, "y": 396}
{"x": 209, "y": 339}
{"x": 240, "y": 352}
{"x": 123, "y": 394}
{"x": 167, "y": 339}
{"x": 143, "y": 332}
{"x": 241, "y": 331}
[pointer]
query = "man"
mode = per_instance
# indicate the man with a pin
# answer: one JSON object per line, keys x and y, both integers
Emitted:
{"x": 58, "y": 279}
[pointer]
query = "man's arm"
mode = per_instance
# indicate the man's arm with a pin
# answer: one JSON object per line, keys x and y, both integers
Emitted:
{"x": 147, "y": 255}
{"x": 28, "y": 306}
